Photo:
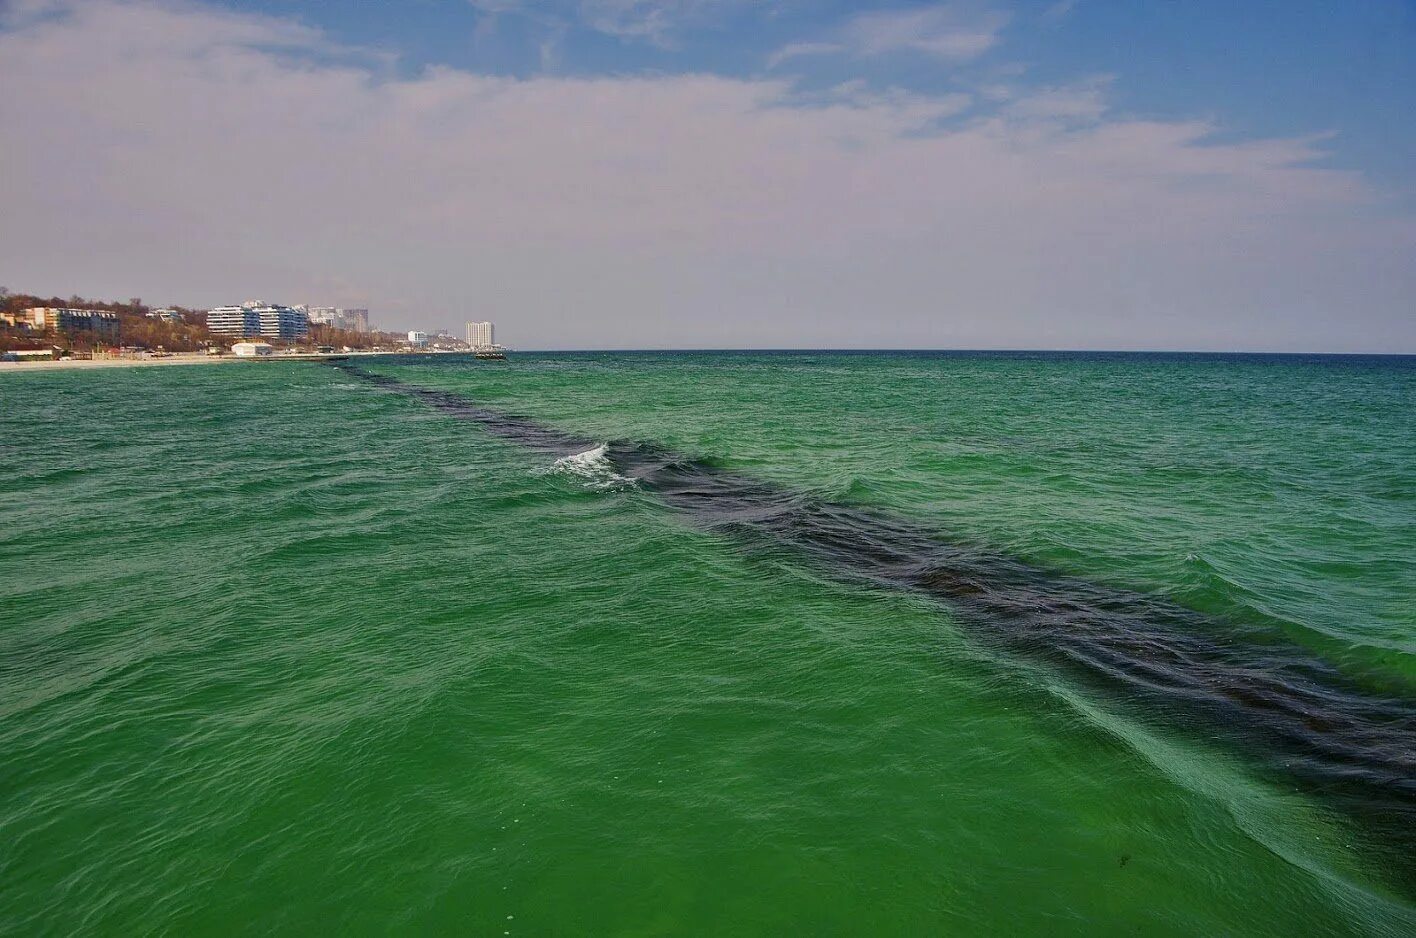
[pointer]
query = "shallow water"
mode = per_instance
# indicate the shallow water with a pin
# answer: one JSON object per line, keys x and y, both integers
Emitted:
{"x": 711, "y": 643}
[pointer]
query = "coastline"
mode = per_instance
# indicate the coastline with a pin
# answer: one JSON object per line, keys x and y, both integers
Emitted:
{"x": 65, "y": 364}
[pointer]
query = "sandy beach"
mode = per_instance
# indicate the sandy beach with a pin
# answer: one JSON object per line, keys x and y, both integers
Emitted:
{"x": 64, "y": 364}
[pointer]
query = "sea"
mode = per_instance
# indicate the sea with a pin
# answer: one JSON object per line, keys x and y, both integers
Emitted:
{"x": 719, "y": 643}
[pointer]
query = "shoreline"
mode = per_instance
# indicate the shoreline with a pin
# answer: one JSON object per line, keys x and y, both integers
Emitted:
{"x": 67, "y": 364}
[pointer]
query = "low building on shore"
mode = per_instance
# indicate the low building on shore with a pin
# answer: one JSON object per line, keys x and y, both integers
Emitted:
{"x": 30, "y": 354}
{"x": 253, "y": 349}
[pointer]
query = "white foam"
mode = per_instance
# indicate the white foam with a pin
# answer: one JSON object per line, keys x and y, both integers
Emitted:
{"x": 592, "y": 466}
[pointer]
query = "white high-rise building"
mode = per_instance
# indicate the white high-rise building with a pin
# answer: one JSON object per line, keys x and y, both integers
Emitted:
{"x": 417, "y": 339}
{"x": 479, "y": 334}
{"x": 234, "y": 320}
{"x": 256, "y": 318}
{"x": 355, "y": 319}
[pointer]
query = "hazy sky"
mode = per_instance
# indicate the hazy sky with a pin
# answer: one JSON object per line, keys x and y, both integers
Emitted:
{"x": 726, "y": 173}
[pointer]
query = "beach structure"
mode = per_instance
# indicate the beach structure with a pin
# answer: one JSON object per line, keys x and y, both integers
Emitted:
{"x": 480, "y": 334}
{"x": 254, "y": 318}
{"x": 29, "y": 355}
{"x": 252, "y": 349}
{"x": 62, "y": 319}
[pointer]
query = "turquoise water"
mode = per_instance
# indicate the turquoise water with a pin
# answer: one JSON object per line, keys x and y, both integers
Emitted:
{"x": 288, "y": 649}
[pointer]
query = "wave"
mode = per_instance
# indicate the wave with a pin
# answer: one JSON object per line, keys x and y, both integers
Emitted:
{"x": 593, "y": 467}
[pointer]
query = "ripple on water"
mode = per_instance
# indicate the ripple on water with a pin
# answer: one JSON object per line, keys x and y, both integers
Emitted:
{"x": 296, "y": 656}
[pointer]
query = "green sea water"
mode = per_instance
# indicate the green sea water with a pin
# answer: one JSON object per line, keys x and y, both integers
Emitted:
{"x": 282, "y": 650}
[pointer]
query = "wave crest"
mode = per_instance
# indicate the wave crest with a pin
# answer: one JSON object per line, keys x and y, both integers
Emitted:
{"x": 593, "y": 467}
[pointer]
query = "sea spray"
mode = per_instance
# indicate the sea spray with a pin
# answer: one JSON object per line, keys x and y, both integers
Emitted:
{"x": 591, "y": 467}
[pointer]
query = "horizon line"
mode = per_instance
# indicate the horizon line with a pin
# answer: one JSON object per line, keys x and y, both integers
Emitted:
{"x": 980, "y": 350}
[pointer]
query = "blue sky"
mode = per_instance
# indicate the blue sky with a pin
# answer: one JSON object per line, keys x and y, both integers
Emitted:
{"x": 1257, "y": 67}
{"x": 727, "y": 173}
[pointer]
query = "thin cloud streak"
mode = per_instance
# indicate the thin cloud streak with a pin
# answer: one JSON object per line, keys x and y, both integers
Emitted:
{"x": 657, "y": 22}
{"x": 797, "y": 50}
{"x": 954, "y": 33}
{"x": 949, "y": 31}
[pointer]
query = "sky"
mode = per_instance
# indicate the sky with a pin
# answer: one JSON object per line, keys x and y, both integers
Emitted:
{"x": 1060, "y": 174}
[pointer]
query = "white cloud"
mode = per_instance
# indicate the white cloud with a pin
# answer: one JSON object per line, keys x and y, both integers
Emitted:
{"x": 955, "y": 33}
{"x": 654, "y": 21}
{"x": 796, "y": 50}
{"x": 1078, "y": 102}
{"x": 190, "y": 155}
{"x": 649, "y": 19}
{"x": 927, "y": 109}
{"x": 949, "y": 31}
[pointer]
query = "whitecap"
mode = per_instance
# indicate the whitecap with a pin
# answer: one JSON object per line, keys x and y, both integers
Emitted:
{"x": 592, "y": 467}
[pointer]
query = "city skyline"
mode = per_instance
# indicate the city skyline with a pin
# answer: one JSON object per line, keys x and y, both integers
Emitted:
{"x": 720, "y": 175}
